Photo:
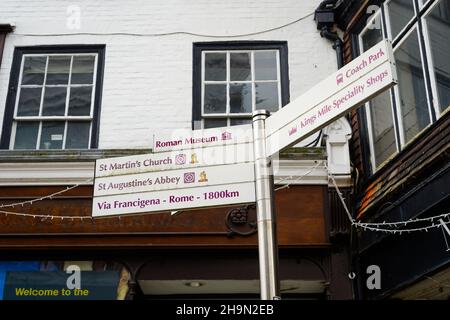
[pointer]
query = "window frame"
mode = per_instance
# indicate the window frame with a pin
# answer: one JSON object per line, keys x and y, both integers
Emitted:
{"x": 423, "y": 3}
{"x": 9, "y": 120}
{"x": 396, "y": 125}
{"x": 407, "y": 26}
{"x": 430, "y": 63}
{"x": 228, "y": 114}
{"x": 404, "y": 143}
{"x": 417, "y": 24}
{"x": 199, "y": 50}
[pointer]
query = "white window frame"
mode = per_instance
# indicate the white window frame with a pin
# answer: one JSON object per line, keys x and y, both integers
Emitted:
{"x": 388, "y": 20}
{"x": 228, "y": 115}
{"x": 423, "y": 3}
{"x": 403, "y": 141}
{"x": 367, "y": 104}
{"x": 426, "y": 34}
{"x": 427, "y": 60}
{"x": 66, "y": 118}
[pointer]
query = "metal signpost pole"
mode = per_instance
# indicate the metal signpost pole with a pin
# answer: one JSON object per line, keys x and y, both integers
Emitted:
{"x": 169, "y": 181}
{"x": 267, "y": 240}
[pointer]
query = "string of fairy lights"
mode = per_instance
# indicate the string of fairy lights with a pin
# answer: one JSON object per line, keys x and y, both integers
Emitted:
{"x": 394, "y": 227}
{"x": 397, "y": 227}
{"x": 50, "y": 196}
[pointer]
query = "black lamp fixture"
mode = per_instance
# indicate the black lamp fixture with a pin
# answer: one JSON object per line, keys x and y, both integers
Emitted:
{"x": 324, "y": 14}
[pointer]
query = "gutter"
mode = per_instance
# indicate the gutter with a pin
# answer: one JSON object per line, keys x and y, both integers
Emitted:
{"x": 325, "y": 17}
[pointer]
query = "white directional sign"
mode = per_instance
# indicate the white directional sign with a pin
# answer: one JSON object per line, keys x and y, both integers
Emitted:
{"x": 174, "y": 179}
{"x": 169, "y": 200}
{"x": 188, "y": 139}
{"x": 121, "y": 188}
{"x": 215, "y": 167}
{"x": 356, "y": 83}
{"x": 189, "y": 158}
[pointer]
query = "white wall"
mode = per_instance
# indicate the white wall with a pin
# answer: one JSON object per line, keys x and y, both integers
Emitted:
{"x": 148, "y": 80}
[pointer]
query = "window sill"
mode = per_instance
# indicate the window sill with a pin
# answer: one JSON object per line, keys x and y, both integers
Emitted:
{"x": 66, "y": 155}
{"x": 94, "y": 154}
{"x": 70, "y": 167}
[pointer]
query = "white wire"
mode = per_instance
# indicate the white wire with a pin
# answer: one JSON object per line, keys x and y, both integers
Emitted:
{"x": 352, "y": 221}
{"x": 374, "y": 226}
{"x": 50, "y": 196}
{"x": 399, "y": 231}
{"x": 163, "y": 33}
{"x": 44, "y": 216}
{"x": 311, "y": 169}
{"x": 404, "y": 222}
{"x": 365, "y": 226}
{"x": 445, "y": 229}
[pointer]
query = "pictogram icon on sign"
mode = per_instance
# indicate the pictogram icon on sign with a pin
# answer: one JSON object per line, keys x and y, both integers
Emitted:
{"x": 180, "y": 159}
{"x": 189, "y": 177}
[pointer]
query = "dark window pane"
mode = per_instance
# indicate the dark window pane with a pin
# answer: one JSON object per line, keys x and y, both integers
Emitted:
{"x": 439, "y": 29}
{"x": 241, "y": 98}
{"x": 29, "y": 101}
{"x": 77, "y": 135}
{"x": 215, "y": 98}
{"x": 267, "y": 96}
{"x": 411, "y": 85}
{"x": 266, "y": 65}
{"x": 80, "y": 101}
{"x": 34, "y": 70}
{"x": 373, "y": 34}
{"x": 26, "y": 135}
{"x": 52, "y": 135}
{"x": 240, "y": 69}
{"x": 214, "y": 123}
{"x": 237, "y": 122}
{"x": 382, "y": 127}
{"x": 215, "y": 67}
{"x": 54, "y": 101}
{"x": 400, "y": 13}
{"x": 58, "y": 70}
{"x": 82, "y": 70}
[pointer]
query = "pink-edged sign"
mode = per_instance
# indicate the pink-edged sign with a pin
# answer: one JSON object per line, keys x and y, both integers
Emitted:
{"x": 359, "y": 81}
{"x": 182, "y": 139}
{"x": 174, "y": 179}
{"x": 160, "y": 180}
{"x": 173, "y": 160}
{"x": 175, "y": 199}
{"x": 170, "y": 190}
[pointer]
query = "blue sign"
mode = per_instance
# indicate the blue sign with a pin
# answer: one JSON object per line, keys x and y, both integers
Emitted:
{"x": 44, "y": 285}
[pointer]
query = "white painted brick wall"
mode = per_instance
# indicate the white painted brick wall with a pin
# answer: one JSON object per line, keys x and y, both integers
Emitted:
{"x": 148, "y": 80}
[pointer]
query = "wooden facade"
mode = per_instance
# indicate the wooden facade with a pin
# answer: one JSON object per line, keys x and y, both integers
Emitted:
{"x": 413, "y": 184}
{"x": 215, "y": 244}
{"x": 302, "y": 221}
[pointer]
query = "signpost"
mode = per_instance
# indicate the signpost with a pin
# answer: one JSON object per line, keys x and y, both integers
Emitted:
{"x": 174, "y": 199}
{"x": 218, "y": 167}
{"x": 265, "y": 210}
{"x": 172, "y": 160}
{"x": 187, "y": 139}
{"x": 356, "y": 83}
{"x": 169, "y": 181}
{"x": 174, "y": 179}
{"x": 351, "y": 86}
